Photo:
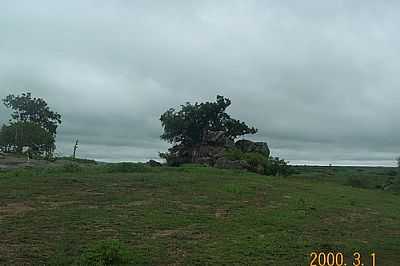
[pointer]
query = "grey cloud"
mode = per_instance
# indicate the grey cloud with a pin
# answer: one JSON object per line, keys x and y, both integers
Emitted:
{"x": 318, "y": 79}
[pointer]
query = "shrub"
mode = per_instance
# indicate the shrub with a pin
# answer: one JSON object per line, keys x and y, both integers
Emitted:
{"x": 260, "y": 163}
{"x": 277, "y": 166}
{"x": 234, "y": 154}
{"x": 105, "y": 253}
{"x": 255, "y": 159}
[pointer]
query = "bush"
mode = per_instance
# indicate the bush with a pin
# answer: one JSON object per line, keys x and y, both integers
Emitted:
{"x": 259, "y": 163}
{"x": 106, "y": 253}
{"x": 255, "y": 159}
{"x": 234, "y": 154}
{"x": 277, "y": 166}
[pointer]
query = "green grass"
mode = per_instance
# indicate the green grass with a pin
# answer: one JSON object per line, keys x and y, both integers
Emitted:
{"x": 193, "y": 215}
{"x": 362, "y": 177}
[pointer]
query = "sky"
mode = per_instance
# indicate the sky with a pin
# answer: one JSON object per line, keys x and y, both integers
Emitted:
{"x": 319, "y": 79}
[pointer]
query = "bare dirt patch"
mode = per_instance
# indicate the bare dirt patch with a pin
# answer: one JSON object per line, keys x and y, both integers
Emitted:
{"x": 58, "y": 204}
{"x": 186, "y": 233}
{"x": 90, "y": 193}
{"x": 17, "y": 208}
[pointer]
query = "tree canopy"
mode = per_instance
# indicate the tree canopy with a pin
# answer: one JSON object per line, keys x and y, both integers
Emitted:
{"x": 28, "y": 109}
{"x": 32, "y": 124}
{"x": 190, "y": 124}
{"x": 20, "y": 134}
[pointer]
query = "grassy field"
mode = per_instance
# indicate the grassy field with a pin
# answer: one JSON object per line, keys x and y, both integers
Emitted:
{"x": 197, "y": 215}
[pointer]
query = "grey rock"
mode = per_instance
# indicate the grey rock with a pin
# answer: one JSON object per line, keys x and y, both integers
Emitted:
{"x": 249, "y": 146}
{"x": 262, "y": 147}
{"x": 229, "y": 143}
{"x": 231, "y": 164}
{"x": 244, "y": 145}
{"x": 153, "y": 163}
{"x": 215, "y": 136}
{"x": 204, "y": 160}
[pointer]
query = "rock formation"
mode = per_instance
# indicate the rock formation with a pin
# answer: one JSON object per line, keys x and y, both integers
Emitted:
{"x": 225, "y": 163}
{"x": 212, "y": 152}
{"x": 249, "y": 146}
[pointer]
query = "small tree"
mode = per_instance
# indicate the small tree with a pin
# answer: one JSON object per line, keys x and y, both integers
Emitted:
{"x": 32, "y": 124}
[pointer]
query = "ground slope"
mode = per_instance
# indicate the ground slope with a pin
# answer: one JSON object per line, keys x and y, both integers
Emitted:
{"x": 191, "y": 215}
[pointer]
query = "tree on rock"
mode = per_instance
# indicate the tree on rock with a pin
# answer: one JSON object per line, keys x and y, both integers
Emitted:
{"x": 190, "y": 124}
{"x": 32, "y": 124}
{"x": 194, "y": 125}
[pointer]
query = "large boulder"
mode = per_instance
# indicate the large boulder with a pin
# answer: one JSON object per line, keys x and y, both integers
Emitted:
{"x": 212, "y": 152}
{"x": 201, "y": 154}
{"x": 262, "y": 147}
{"x": 245, "y": 145}
{"x": 215, "y": 137}
{"x": 225, "y": 163}
{"x": 207, "y": 154}
{"x": 218, "y": 138}
{"x": 204, "y": 160}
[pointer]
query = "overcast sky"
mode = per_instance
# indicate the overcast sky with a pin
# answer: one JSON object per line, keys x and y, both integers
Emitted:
{"x": 319, "y": 79}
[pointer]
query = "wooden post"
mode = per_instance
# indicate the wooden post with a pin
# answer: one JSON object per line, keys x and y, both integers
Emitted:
{"x": 75, "y": 148}
{"x": 29, "y": 153}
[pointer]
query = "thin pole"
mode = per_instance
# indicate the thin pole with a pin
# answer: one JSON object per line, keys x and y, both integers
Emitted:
{"x": 75, "y": 148}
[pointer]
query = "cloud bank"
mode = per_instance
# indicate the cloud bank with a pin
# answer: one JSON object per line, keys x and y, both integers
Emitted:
{"x": 319, "y": 80}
